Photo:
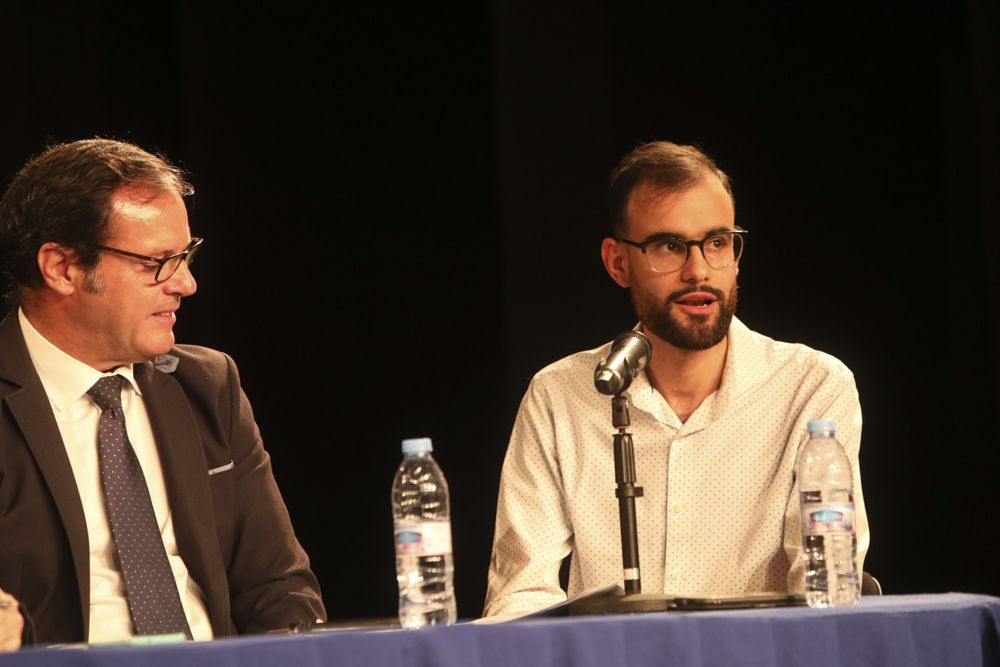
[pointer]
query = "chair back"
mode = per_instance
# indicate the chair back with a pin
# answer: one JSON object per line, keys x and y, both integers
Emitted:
{"x": 870, "y": 585}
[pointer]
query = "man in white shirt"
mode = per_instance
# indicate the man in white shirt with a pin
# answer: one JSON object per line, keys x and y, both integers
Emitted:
{"x": 717, "y": 418}
{"x": 95, "y": 244}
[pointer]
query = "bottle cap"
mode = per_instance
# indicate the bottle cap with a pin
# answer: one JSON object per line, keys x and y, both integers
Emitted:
{"x": 417, "y": 445}
{"x": 817, "y": 426}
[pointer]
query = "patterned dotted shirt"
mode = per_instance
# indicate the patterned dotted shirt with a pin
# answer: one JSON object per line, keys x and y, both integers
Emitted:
{"x": 720, "y": 511}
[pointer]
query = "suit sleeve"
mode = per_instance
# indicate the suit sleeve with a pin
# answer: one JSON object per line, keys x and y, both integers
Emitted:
{"x": 271, "y": 584}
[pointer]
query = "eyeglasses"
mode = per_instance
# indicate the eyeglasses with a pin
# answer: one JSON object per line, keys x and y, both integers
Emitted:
{"x": 167, "y": 266}
{"x": 667, "y": 253}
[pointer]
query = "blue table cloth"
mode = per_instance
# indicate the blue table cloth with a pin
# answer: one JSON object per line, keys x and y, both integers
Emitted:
{"x": 934, "y": 630}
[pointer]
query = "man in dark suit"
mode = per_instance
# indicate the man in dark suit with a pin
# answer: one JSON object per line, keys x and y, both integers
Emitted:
{"x": 94, "y": 240}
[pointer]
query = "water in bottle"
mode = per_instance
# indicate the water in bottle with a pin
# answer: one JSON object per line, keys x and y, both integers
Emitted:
{"x": 422, "y": 518}
{"x": 826, "y": 497}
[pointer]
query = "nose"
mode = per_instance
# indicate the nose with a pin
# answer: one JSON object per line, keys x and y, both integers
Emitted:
{"x": 182, "y": 283}
{"x": 696, "y": 269}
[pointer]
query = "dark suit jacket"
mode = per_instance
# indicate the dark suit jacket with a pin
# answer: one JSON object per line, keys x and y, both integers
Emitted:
{"x": 232, "y": 528}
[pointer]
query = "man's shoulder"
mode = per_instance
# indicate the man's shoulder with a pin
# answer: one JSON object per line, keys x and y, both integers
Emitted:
{"x": 573, "y": 366}
{"x": 798, "y": 358}
{"x": 199, "y": 354}
{"x": 195, "y": 363}
{"x": 568, "y": 380}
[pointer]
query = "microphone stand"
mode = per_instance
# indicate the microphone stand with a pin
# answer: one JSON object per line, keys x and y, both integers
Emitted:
{"x": 626, "y": 493}
{"x": 631, "y": 600}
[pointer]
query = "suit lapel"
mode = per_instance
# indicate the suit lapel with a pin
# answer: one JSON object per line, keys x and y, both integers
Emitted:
{"x": 29, "y": 405}
{"x": 185, "y": 473}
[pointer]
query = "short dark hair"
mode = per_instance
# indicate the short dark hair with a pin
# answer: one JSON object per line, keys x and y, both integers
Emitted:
{"x": 64, "y": 196}
{"x": 664, "y": 165}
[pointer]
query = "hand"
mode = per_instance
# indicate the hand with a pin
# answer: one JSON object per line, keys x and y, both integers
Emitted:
{"x": 11, "y": 623}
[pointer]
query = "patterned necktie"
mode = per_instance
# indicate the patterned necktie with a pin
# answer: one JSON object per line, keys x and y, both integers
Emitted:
{"x": 150, "y": 586}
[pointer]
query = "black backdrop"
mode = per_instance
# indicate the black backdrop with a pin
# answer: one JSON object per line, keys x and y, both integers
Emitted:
{"x": 404, "y": 203}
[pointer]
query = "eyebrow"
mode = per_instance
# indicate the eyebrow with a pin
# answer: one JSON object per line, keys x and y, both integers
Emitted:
{"x": 670, "y": 236}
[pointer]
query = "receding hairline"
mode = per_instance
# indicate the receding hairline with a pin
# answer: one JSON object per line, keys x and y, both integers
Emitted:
{"x": 653, "y": 191}
{"x": 663, "y": 166}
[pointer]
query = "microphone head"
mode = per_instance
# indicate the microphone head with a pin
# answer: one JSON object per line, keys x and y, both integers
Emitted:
{"x": 630, "y": 352}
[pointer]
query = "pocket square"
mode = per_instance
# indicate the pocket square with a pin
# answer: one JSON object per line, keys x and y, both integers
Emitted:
{"x": 215, "y": 471}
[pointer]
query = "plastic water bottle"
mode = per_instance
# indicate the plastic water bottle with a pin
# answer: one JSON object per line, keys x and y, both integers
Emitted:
{"x": 826, "y": 499}
{"x": 422, "y": 518}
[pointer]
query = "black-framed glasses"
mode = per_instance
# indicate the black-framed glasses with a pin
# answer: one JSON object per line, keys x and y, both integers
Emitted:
{"x": 167, "y": 266}
{"x": 666, "y": 253}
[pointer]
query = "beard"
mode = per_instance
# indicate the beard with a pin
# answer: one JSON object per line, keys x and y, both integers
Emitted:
{"x": 703, "y": 331}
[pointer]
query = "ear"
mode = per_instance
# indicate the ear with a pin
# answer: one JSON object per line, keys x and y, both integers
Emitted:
{"x": 59, "y": 270}
{"x": 615, "y": 257}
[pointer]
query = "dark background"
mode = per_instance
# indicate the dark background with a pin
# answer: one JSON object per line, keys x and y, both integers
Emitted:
{"x": 404, "y": 204}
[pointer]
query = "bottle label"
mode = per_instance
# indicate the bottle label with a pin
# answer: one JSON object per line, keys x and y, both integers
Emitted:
{"x": 423, "y": 538}
{"x": 822, "y": 518}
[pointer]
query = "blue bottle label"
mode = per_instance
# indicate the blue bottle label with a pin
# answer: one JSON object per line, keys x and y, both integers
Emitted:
{"x": 423, "y": 537}
{"x": 823, "y": 518}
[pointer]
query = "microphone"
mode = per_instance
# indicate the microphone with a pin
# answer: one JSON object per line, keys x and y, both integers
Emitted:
{"x": 630, "y": 352}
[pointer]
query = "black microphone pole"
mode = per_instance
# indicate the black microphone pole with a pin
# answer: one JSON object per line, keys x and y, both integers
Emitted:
{"x": 626, "y": 493}
{"x": 630, "y": 599}
{"x": 630, "y": 352}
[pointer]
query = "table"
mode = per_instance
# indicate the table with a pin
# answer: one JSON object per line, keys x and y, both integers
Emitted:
{"x": 934, "y": 630}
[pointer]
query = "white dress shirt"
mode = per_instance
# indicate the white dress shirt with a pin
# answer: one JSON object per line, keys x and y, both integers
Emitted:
{"x": 66, "y": 381}
{"x": 720, "y": 514}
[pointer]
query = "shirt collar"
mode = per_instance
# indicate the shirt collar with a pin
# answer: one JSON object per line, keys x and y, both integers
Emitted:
{"x": 65, "y": 378}
{"x": 747, "y": 362}
{"x": 647, "y": 399}
{"x": 737, "y": 378}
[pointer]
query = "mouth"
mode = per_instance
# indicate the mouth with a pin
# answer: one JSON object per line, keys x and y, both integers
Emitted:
{"x": 696, "y": 303}
{"x": 166, "y": 315}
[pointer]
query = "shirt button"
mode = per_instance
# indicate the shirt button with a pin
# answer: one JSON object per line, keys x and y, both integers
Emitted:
{"x": 674, "y": 576}
{"x": 677, "y": 508}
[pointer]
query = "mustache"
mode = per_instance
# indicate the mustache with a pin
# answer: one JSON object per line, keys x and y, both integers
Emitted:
{"x": 717, "y": 293}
